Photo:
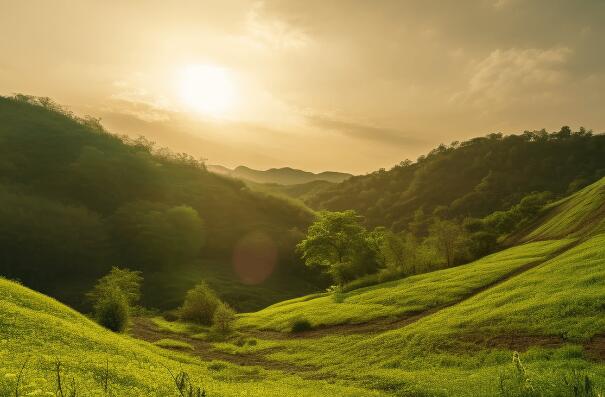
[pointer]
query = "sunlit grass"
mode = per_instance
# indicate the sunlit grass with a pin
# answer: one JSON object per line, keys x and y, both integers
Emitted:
{"x": 401, "y": 297}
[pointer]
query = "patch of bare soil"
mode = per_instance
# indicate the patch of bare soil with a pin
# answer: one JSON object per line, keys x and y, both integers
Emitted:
{"x": 595, "y": 348}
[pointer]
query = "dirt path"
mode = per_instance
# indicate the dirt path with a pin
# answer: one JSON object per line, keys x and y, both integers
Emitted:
{"x": 143, "y": 328}
{"x": 386, "y": 324}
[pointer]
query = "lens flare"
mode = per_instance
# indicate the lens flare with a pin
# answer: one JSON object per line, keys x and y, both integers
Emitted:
{"x": 254, "y": 258}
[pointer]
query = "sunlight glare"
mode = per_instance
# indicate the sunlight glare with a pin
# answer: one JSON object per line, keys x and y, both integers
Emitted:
{"x": 207, "y": 89}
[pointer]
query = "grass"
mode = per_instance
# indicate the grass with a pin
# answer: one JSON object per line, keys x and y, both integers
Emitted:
{"x": 441, "y": 354}
{"x": 560, "y": 300}
{"x": 401, "y": 297}
{"x": 173, "y": 344}
{"x": 39, "y": 330}
{"x": 581, "y": 213}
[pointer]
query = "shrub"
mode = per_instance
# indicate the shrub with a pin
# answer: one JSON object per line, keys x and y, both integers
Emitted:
{"x": 223, "y": 318}
{"x": 112, "y": 310}
{"x": 126, "y": 280}
{"x": 199, "y": 305}
{"x": 301, "y": 325}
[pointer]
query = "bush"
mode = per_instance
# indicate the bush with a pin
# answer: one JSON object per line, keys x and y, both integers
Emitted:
{"x": 199, "y": 305}
{"x": 223, "y": 318}
{"x": 112, "y": 310}
{"x": 301, "y": 325}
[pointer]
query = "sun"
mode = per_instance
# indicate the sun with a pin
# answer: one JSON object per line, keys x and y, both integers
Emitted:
{"x": 207, "y": 89}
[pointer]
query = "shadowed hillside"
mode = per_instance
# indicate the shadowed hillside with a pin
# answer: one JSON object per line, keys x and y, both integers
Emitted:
{"x": 76, "y": 200}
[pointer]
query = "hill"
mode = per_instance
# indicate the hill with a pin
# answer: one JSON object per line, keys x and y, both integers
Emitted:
{"x": 532, "y": 314}
{"x": 526, "y": 321}
{"x": 472, "y": 178}
{"x": 38, "y": 333}
{"x": 76, "y": 200}
{"x": 280, "y": 176}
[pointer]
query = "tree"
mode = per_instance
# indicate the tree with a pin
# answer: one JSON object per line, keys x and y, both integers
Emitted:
{"x": 154, "y": 234}
{"x": 223, "y": 318}
{"x": 112, "y": 311}
{"x": 200, "y": 304}
{"x": 127, "y": 281}
{"x": 114, "y": 295}
{"x": 334, "y": 241}
{"x": 449, "y": 237}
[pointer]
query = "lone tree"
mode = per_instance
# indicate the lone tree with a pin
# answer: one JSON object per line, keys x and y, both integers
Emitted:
{"x": 114, "y": 295}
{"x": 450, "y": 238}
{"x": 334, "y": 241}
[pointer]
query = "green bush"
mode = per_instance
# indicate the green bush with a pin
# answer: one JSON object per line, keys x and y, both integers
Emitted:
{"x": 199, "y": 305}
{"x": 112, "y": 311}
{"x": 301, "y": 325}
{"x": 223, "y": 318}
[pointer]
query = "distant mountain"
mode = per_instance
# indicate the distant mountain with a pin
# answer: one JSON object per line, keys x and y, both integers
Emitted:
{"x": 281, "y": 176}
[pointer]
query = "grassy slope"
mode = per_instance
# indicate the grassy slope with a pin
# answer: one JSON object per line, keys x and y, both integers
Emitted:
{"x": 36, "y": 328}
{"x": 580, "y": 214}
{"x": 549, "y": 312}
{"x": 556, "y": 307}
{"x": 397, "y": 298}
{"x": 552, "y": 312}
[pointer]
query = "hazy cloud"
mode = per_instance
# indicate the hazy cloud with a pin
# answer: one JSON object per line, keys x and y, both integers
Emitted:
{"x": 422, "y": 72}
{"x": 366, "y": 132}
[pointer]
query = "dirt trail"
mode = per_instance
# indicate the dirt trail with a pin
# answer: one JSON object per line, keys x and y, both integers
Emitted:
{"x": 386, "y": 324}
{"x": 144, "y": 329}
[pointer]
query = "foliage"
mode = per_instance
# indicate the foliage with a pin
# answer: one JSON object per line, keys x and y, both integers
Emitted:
{"x": 470, "y": 179}
{"x": 449, "y": 238}
{"x": 335, "y": 241}
{"x": 112, "y": 310}
{"x": 301, "y": 325}
{"x": 75, "y": 199}
{"x": 127, "y": 281}
{"x": 158, "y": 235}
{"x": 200, "y": 304}
{"x": 223, "y": 319}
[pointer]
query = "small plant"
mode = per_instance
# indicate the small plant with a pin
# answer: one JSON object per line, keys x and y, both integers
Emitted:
{"x": 62, "y": 389}
{"x": 518, "y": 382}
{"x": 337, "y": 292}
{"x": 199, "y": 305}
{"x": 185, "y": 386}
{"x": 112, "y": 311}
{"x": 580, "y": 385}
{"x": 223, "y": 319}
{"x": 301, "y": 325}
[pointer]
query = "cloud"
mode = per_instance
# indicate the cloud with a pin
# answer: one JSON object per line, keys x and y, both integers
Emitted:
{"x": 508, "y": 77}
{"x": 365, "y": 132}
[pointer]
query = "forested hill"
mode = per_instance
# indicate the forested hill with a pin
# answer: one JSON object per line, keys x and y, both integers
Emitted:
{"x": 76, "y": 200}
{"x": 472, "y": 178}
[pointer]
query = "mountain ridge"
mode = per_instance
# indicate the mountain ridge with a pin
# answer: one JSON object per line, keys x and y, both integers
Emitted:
{"x": 281, "y": 176}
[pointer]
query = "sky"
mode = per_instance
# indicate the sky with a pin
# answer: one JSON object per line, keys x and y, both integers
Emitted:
{"x": 349, "y": 85}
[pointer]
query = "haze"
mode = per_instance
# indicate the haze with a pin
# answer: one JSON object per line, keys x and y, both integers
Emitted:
{"x": 345, "y": 85}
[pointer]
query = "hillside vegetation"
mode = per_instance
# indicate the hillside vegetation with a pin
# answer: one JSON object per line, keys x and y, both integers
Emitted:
{"x": 76, "y": 200}
{"x": 581, "y": 214}
{"x": 37, "y": 333}
{"x": 471, "y": 179}
{"x": 526, "y": 321}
